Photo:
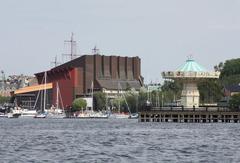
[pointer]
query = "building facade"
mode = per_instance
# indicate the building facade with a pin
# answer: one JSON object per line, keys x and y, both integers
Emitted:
{"x": 108, "y": 74}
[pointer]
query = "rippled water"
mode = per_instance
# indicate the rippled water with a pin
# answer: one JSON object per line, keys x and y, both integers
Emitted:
{"x": 75, "y": 140}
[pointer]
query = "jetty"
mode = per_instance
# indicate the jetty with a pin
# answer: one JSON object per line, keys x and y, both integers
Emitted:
{"x": 190, "y": 115}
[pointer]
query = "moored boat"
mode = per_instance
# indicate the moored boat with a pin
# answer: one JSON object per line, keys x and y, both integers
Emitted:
{"x": 92, "y": 114}
{"x": 40, "y": 115}
{"x": 2, "y": 115}
{"x": 58, "y": 111}
{"x": 25, "y": 113}
{"x": 119, "y": 115}
{"x": 134, "y": 116}
{"x": 42, "y": 112}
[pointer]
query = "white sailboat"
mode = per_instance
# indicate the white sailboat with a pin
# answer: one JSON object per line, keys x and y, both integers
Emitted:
{"x": 25, "y": 113}
{"x": 119, "y": 114}
{"x": 28, "y": 112}
{"x": 91, "y": 113}
{"x": 57, "y": 112}
{"x": 42, "y": 113}
{"x": 14, "y": 113}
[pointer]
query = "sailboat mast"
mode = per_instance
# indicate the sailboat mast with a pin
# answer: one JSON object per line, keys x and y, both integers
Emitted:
{"x": 45, "y": 91}
{"x": 92, "y": 95}
{"x": 118, "y": 98}
{"x": 57, "y": 102}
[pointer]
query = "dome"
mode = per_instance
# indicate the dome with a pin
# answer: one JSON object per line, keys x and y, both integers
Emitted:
{"x": 191, "y": 66}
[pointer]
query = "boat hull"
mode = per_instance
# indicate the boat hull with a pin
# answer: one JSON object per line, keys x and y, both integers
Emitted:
{"x": 40, "y": 116}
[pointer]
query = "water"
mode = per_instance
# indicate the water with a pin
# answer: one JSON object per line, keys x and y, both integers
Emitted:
{"x": 75, "y": 140}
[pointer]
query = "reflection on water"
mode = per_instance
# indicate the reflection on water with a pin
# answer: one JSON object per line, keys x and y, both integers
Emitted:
{"x": 116, "y": 140}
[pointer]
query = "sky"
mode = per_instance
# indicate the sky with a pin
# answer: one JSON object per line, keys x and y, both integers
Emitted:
{"x": 163, "y": 33}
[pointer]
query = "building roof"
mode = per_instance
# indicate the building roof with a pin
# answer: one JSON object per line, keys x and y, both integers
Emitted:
{"x": 33, "y": 88}
{"x": 119, "y": 84}
{"x": 191, "y": 66}
{"x": 233, "y": 88}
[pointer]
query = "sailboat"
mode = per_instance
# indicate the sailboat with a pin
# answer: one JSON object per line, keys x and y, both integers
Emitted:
{"x": 119, "y": 114}
{"x": 123, "y": 115}
{"x": 57, "y": 112}
{"x": 42, "y": 113}
{"x": 91, "y": 113}
{"x": 14, "y": 113}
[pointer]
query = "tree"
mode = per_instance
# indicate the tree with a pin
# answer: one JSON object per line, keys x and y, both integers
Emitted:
{"x": 171, "y": 90}
{"x": 118, "y": 102}
{"x": 230, "y": 73}
{"x": 132, "y": 101}
{"x": 79, "y": 104}
{"x": 234, "y": 102}
{"x": 4, "y": 99}
{"x": 142, "y": 99}
{"x": 100, "y": 100}
{"x": 219, "y": 67}
{"x": 210, "y": 91}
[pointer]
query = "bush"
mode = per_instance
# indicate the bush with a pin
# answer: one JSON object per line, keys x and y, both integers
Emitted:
{"x": 79, "y": 104}
{"x": 99, "y": 100}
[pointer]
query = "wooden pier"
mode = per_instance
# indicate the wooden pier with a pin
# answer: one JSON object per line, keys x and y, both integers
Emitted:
{"x": 198, "y": 115}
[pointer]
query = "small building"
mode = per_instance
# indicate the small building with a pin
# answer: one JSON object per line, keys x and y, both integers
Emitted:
{"x": 27, "y": 96}
{"x": 231, "y": 90}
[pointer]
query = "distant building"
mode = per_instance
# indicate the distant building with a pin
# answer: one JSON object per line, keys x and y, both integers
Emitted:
{"x": 153, "y": 87}
{"x": 108, "y": 74}
{"x": 231, "y": 90}
{"x": 14, "y": 82}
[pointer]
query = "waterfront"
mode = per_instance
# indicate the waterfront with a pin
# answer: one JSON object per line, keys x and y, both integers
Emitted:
{"x": 116, "y": 140}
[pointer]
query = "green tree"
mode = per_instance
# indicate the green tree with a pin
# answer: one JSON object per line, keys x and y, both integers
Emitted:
{"x": 171, "y": 91}
{"x": 142, "y": 98}
{"x": 118, "y": 103}
{"x": 230, "y": 73}
{"x": 132, "y": 101}
{"x": 219, "y": 67}
{"x": 79, "y": 104}
{"x": 234, "y": 102}
{"x": 4, "y": 99}
{"x": 100, "y": 100}
{"x": 210, "y": 91}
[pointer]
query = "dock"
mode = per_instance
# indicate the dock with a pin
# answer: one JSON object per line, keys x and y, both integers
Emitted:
{"x": 190, "y": 115}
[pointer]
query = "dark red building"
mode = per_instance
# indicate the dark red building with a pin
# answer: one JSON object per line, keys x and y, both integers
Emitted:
{"x": 105, "y": 72}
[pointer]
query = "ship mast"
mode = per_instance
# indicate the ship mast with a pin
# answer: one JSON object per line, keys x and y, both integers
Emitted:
{"x": 73, "y": 47}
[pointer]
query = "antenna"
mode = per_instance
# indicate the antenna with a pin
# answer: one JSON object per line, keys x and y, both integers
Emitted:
{"x": 73, "y": 46}
{"x": 95, "y": 50}
{"x": 55, "y": 62}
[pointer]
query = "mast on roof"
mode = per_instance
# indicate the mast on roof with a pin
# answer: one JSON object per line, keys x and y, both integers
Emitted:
{"x": 95, "y": 50}
{"x": 55, "y": 62}
{"x": 73, "y": 48}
